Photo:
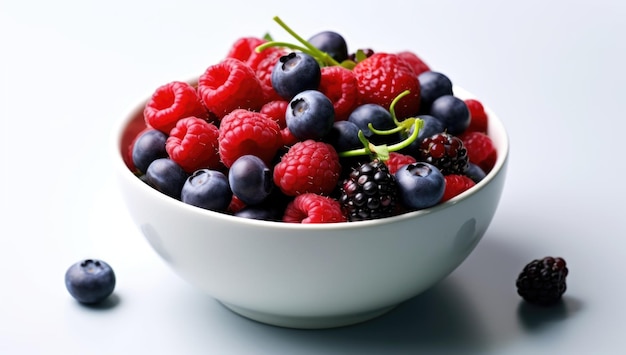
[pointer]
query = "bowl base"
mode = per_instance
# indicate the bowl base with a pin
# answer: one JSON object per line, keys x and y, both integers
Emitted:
{"x": 306, "y": 322}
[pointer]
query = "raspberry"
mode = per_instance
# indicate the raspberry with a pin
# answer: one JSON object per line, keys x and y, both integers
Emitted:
{"x": 416, "y": 63}
{"x": 229, "y": 85}
{"x": 542, "y": 281}
{"x": 263, "y": 64}
{"x": 247, "y": 132}
{"x": 478, "y": 117}
{"x": 369, "y": 192}
{"x": 193, "y": 144}
{"x": 308, "y": 166}
{"x": 313, "y": 208}
{"x": 288, "y": 138}
{"x": 276, "y": 109}
{"x": 244, "y": 48}
{"x": 446, "y": 152}
{"x": 171, "y": 102}
{"x": 480, "y": 149}
{"x": 340, "y": 86}
{"x": 397, "y": 160}
{"x": 382, "y": 77}
{"x": 455, "y": 185}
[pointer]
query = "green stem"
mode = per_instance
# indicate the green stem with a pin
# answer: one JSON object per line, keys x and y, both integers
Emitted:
{"x": 323, "y": 56}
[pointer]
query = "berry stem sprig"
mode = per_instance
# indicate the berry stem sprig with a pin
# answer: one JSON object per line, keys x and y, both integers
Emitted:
{"x": 382, "y": 151}
{"x": 323, "y": 58}
{"x": 401, "y": 126}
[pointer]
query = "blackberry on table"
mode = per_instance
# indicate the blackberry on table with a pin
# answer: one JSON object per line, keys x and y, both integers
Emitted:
{"x": 369, "y": 192}
{"x": 542, "y": 281}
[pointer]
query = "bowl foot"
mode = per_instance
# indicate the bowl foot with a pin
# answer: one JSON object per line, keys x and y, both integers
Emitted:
{"x": 307, "y": 322}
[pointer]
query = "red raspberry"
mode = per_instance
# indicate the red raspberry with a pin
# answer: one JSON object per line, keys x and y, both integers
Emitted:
{"x": 171, "y": 102}
{"x": 247, "y": 132}
{"x": 229, "y": 85}
{"x": 455, "y": 184}
{"x": 276, "y": 109}
{"x": 382, "y": 77}
{"x": 416, "y": 63}
{"x": 313, "y": 208}
{"x": 244, "y": 48}
{"x": 288, "y": 138}
{"x": 308, "y": 166}
{"x": 193, "y": 144}
{"x": 397, "y": 160}
{"x": 340, "y": 86}
{"x": 235, "y": 205}
{"x": 479, "y": 119}
{"x": 480, "y": 149}
{"x": 263, "y": 64}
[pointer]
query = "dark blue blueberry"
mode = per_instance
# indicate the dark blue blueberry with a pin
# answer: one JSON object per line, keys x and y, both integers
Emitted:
{"x": 208, "y": 189}
{"x": 431, "y": 127}
{"x": 149, "y": 146}
{"x": 421, "y": 185}
{"x": 432, "y": 86}
{"x": 250, "y": 179}
{"x": 380, "y": 119}
{"x": 475, "y": 172}
{"x": 90, "y": 281}
{"x": 344, "y": 136}
{"x": 332, "y": 43}
{"x": 453, "y": 112}
{"x": 294, "y": 73}
{"x": 260, "y": 212}
{"x": 310, "y": 115}
{"x": 167, "y": 176}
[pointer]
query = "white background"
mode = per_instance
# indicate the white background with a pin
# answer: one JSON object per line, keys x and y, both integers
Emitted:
{"x": 552, "y": 70}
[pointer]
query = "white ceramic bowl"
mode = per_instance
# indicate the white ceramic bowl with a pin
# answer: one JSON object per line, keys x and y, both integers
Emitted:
{"x": 311, "y": 276}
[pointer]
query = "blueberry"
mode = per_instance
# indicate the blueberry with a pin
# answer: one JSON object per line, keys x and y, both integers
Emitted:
{"x": 431, "y": 127}
{"x": 264, "y": 213}
{"x": 310, "y": 115}
{"x": 149, "y": 146}
{"x": 208, "y": 189}
{"x": 475, "y": 172}
{"x": 332, "y": 43}
{"x": 344, "y": 136}
{"x": 379, "y": 117}
{"x": 166, "y": 176}
{"x": 421, "y": 185}
{"x": 432, "y": 86}
{"x": 294, "y": 73}
{"x": 250, "y": 179}
{"x": 90, "y": 281}
{"x": 453, "y": 112}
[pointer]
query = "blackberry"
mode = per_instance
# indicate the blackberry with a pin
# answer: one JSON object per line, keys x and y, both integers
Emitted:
{"x": 369, "y": 192}
{"x": 445, "y": 151}
{"x": 542, "y": 281}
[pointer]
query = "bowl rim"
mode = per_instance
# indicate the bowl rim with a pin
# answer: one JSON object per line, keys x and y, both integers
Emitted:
{"x": 122, "y": 170}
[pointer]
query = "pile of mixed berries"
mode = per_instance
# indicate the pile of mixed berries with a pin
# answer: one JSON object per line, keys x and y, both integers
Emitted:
{"x": 312, "y": 133}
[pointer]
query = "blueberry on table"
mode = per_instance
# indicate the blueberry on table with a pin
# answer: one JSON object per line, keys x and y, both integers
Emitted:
{"x": 90, "y": 281}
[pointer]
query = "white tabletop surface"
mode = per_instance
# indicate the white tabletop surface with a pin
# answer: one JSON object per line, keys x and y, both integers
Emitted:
{"x": 553, "y": 71}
